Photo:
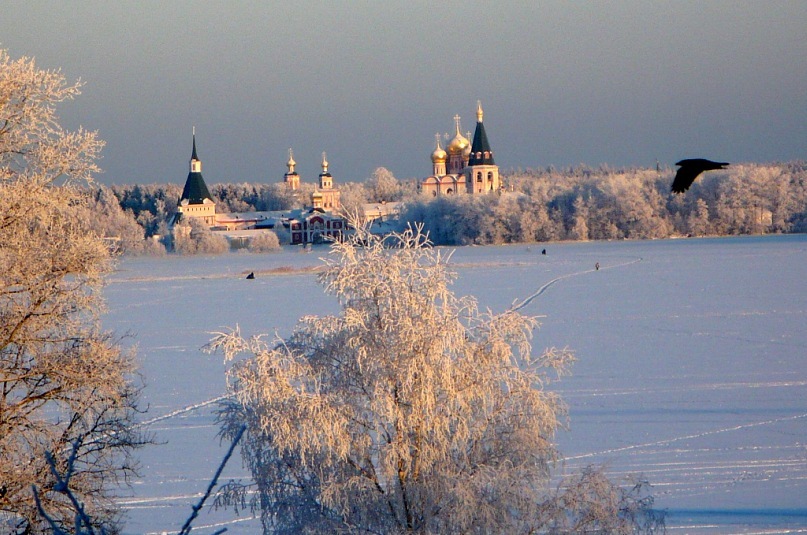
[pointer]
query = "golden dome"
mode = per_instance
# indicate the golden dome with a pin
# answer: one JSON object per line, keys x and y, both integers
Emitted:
{"x": 459, "y": 144}
{"x": 291, "y": 163}
{"x": 439, "y": 155}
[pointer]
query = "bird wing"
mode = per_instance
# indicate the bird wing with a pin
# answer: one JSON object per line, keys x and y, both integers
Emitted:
{"x": 684, "y": 178}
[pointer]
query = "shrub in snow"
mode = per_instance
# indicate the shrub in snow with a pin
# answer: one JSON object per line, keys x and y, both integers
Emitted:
{"x": 264, "y": 242}
{"x": 410, "y": 411}
{"x": 194, "y": 237}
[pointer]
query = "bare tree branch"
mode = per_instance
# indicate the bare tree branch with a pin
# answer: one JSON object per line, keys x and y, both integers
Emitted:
{"x": 186, "y": 528}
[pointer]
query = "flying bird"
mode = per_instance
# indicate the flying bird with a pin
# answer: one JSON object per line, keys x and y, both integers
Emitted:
{"x": 689, "y": 171}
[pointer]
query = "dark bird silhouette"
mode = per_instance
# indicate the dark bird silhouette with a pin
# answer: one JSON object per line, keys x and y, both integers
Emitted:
{"x": 689, "y": 171}
{"x": 251, "y": 275}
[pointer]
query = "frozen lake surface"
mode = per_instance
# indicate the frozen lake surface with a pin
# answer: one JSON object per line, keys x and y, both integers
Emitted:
{"x": 692, "y": 366}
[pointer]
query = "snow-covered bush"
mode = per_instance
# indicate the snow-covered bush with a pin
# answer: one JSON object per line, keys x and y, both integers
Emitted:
{"x": 192, "y": 236}
{"x": 410, "y": 411}
{"x": 263, "y": 242}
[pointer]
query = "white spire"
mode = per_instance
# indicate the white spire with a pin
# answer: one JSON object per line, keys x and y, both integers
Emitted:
{"x": 196, "y": 163}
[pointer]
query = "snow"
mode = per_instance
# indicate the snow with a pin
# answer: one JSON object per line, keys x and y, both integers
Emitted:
{"x": 692, "y": 366}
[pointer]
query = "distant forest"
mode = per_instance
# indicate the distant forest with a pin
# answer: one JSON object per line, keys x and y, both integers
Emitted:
{"x": 576, "y": 203}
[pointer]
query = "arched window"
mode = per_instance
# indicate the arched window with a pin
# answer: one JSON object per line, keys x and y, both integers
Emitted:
{"x": 490, "y": 176}
{"x": 479, "y": 176}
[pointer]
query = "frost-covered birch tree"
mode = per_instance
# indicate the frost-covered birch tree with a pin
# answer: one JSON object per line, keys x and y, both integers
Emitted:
{"x": 382, "y": 186}
{"x": 411, "y": 411}
{"x": 65, "y": 386}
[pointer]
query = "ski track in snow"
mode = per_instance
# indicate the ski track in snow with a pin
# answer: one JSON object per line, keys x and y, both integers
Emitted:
{"x": 602, "y": 392}
{"x": 205, "y": 526}
{"x": 545, "y": 287}
{"x": 183, "y": 410}
{"x": 685, "y": 437}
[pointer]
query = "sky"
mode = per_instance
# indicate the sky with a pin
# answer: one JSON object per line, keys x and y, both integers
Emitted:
{"x": 622, "y": 83}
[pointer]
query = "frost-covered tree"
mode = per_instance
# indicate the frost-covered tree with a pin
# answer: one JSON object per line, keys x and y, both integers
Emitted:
{"x": 263, "y": 242}
{"x": 698, "y": 222}
{"x": 353, "y": 196}
{"x": 579, "y": 230}
{"x": 382, "y": 186}
{"x": 411, "y": 411}
{"x": 192, "y": 236}
{"x": 118, "y": 227}
{"x": 65, "y": 386}
{"x": 150, "y": 204}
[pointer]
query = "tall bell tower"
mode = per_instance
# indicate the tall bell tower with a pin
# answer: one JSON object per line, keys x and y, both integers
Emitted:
{"x": 481, "y": 173}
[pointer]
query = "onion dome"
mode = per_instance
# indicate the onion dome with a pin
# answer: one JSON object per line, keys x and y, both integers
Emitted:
{"x": 439, "y": 155}
{"x": 291, "y": 163}
{"x": 460, "y": 144}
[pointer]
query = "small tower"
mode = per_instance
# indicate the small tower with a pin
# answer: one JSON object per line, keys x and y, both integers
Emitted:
{"x": 439, "y": 158}
{"x": 196, "y": 200}
{"x": 326, "y": 196}
{"x": 482, "y": 173}
{"x": 196, "y": 163}
{"x": 325, "y": 178}
{"x": 291, "y": 178}
{"x": 317, "y": 201}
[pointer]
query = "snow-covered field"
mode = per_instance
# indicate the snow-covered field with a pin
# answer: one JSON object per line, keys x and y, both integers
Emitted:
{"x": 692, "y": 366}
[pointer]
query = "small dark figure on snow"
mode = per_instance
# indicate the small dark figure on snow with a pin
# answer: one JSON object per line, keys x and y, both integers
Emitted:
{"x": 543, "y": 252}
{"x": 597, "y": 266}
{"x": 251, "y": 275}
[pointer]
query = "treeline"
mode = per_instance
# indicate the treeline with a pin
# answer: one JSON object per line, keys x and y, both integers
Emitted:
{"x": 578, "y": 203}
{"x": 582, "y": 203}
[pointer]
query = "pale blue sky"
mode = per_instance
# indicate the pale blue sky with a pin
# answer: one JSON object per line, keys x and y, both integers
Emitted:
{"x": 621, "y": 83}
